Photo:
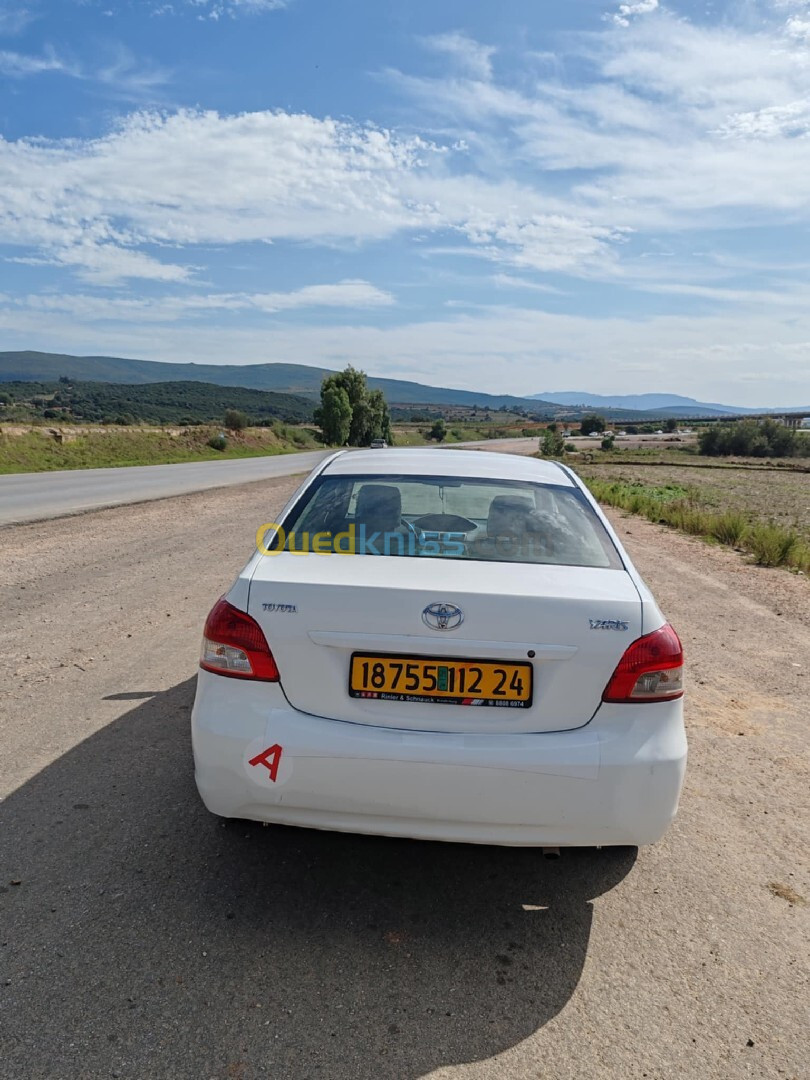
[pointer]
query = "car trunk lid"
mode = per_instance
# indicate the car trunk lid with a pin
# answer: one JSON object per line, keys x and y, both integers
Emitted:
{"x": 317, "y": 610}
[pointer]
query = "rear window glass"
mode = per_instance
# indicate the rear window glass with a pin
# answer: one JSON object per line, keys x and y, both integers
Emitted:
{"x": 448, "y": 518}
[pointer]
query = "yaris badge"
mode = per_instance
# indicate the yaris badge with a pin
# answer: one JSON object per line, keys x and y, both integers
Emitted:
{"x": 609, "y": 624}
{"x": 442, "y": 616}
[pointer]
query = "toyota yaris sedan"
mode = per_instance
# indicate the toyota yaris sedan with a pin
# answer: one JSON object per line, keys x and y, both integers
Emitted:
{"x": 442, "y": 644}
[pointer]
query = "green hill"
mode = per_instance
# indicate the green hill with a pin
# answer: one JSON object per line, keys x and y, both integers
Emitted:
{"x": 149, "y": 403}
{"x": 281, "y": 378}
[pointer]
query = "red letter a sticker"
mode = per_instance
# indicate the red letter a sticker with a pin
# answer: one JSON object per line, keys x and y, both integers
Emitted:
{"x": 270, "y": 759}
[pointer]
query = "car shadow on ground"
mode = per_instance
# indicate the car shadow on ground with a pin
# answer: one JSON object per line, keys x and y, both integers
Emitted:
{"x": 146, "y": 938}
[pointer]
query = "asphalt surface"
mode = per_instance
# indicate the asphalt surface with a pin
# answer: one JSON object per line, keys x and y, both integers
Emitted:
{"x": 37, "y": 496}
{"x": 34, "y": 496}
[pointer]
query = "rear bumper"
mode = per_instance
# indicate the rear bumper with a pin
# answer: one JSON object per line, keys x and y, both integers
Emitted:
{"x": 615, "y": 781}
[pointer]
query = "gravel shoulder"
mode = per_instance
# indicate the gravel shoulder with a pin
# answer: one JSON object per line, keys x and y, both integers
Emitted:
{"x": 142, "y": 938}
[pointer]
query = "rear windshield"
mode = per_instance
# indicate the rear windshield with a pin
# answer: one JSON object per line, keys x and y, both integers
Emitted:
{"x": 448, "y": 518}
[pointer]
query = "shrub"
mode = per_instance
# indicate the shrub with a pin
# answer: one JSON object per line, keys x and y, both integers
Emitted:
{"x": 747, "y": 438}
{"x": 689, "y": 519}
{"x": 235, "y": 420}
{"x": 607, "y": 442}
{"x": 218, "y": 442}
{"x": 552, "y": 443}
{"x": 729, "y": 527}
{"x": 799, "y": 558}
{"x": 592, "y": 422}
{"x": 771, "y": 544}
{"x": 570, "y": 447}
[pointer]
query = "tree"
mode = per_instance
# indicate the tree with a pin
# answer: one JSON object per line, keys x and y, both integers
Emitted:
{"x": 360, "y": 426}
{"x": 747, "y": 438}
{"x": 353, "y": 384}
{"x": 552, "y": 444}
{"x": 235, "y": 420}
{"x": 592, "y": 422}
{"x": 380, "y": 420}
{"x": 438, "y": 431}
{"x": 670, "y": 424}
{"x": 346, "y": 402}
{"x": 334, "y": 417}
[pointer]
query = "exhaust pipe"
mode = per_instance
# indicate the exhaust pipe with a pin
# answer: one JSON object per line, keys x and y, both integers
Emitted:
{"x": 551, "y": 853}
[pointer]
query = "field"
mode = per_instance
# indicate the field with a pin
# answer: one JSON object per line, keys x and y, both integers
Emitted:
{"x": 40, "y": 450}
{"x": 762, "y": 509}
{"x": 772, "y": 494}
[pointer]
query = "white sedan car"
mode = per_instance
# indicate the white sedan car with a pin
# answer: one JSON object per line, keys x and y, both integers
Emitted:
{"x": 448, "y": 645}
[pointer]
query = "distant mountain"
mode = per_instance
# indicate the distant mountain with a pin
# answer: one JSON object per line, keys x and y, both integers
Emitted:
{"x": 667, "y": 404}
{"x": 643, "y": 403}
{"x": 282, "y": 378}
{"x": 304, "y": 381}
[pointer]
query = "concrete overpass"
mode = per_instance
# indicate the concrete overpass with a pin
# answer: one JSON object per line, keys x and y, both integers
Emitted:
{"x": 789, "y": 419}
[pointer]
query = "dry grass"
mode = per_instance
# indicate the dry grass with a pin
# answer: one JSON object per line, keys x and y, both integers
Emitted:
{"x": 785, "y": 892}
{"x": 745, "y": 523}
{"x": 777, "y": 494}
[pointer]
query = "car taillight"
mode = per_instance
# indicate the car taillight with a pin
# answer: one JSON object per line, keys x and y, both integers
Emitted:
{"x": 650, "y": 670}
{"x": 233, "y": 644}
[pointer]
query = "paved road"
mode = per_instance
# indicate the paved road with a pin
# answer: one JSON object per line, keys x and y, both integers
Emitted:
{"x": 34, "y": 496}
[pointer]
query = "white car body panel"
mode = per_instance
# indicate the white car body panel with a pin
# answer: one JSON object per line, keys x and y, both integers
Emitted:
{"x": 542, "y": 608}
{"x": 614, "y": 782}
{"x": 570, "y": 770}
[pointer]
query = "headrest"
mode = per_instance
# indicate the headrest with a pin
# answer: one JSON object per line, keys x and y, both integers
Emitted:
{"x": 508, "y": 515}
{"x": 379, "y": 507}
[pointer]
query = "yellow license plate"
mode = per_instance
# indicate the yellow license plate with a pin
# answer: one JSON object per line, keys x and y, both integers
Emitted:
{"x": 439, "y": 680}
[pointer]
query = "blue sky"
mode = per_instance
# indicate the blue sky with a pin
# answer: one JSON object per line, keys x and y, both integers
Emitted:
{"x": 512, "y": 197}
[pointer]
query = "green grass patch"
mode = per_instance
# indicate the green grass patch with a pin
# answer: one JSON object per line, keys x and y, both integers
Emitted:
{"x": 39, "y": 451}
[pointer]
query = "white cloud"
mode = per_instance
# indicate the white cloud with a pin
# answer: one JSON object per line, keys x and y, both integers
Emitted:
{"x": 90, "y": 308}
{"x": 658, "y": 136}
{"x": 799, "y": 27}
{"x": 128, "y": 77}
{"x": 194, "y": 178}
{"x": 627, "y": 11}
{"x": 122, "y": 75}
{"x": 509, "y": 281}
{"x": 542, "y": 242}
{"x": 216, "y": 9}
{"x": 13, "y": 20}
{"x": 775, "y": 122}
{"x": 19, "y": 65}
{"x": 469, "y": 55}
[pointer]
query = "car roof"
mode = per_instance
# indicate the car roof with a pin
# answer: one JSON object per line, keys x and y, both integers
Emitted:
{"x": 425, "y": 461}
